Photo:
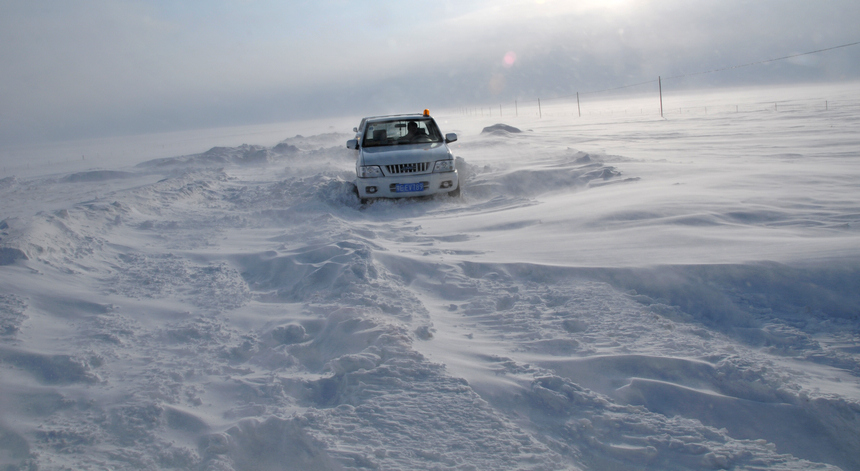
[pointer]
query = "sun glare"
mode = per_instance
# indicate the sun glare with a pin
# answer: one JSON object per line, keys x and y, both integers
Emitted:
{"x": 563, "y": 6}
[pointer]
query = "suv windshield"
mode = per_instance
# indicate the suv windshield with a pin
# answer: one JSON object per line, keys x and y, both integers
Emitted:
{"x": 400, "y": 131}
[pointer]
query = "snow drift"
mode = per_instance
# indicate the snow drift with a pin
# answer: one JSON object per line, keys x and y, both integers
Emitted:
{"x": 620, "y": 294}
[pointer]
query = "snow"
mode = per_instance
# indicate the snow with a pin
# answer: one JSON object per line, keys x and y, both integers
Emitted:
{"x": 611, "y": 291}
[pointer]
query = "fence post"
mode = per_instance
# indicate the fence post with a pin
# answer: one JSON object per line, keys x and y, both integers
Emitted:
{"x": 540, "y": 113}
{"x": 660, "y": 86}
{"x": 578, "y": 111}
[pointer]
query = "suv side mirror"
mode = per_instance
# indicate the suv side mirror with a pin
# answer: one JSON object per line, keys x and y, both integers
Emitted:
{"x": 450, "y": 137}
{"x": 352, "y": 144}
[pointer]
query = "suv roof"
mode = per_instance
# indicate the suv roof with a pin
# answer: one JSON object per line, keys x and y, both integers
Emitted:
{"x": 408, "y": 115}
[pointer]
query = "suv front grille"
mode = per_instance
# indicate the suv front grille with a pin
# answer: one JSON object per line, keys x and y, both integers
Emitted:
{"x": 419, "y": 167}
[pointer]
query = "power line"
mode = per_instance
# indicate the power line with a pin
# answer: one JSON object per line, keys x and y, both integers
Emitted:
{"x": 618, "y": 88}
{"x": 711, "y": 71}
{"x": 762, "y": 62}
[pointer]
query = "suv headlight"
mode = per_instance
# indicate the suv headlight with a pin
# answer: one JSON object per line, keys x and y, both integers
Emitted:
{"x": 443, "y": 166}
{"x": 370, "y": 171}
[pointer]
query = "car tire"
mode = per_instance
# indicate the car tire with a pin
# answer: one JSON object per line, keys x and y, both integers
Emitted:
{"x": 357, "y": 195}
{"x": 455, "y": 193}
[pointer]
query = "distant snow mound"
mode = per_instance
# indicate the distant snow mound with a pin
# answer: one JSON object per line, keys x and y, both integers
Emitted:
{"x": 284, "y": 148}
{"x": 327, "y": 146}
{"x": 217, "y": 156}
{"x": 8, "y": 182}
{"x": 500, "y": 129}
{"x": 244, "y": 154}
{"x": 95, "y": 176}
{"x": 331, "y": 139}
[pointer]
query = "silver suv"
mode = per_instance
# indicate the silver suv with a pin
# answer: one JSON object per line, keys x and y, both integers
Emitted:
{"x": 401, "y": 156}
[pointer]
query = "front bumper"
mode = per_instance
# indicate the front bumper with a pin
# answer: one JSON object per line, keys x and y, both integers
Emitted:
{"x": 385, "y": 187}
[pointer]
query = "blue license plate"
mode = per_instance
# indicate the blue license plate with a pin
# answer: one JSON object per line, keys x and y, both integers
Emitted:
{"x": 407, "y": 187}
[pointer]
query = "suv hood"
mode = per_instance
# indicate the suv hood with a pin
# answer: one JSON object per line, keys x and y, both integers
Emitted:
{"x": 388, "y": 155}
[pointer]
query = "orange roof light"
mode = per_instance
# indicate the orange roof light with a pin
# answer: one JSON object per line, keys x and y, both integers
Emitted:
{"x": 426, "y": 112}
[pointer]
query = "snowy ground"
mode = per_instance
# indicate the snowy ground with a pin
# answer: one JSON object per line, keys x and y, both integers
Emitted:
{"x": 616, "y": 291}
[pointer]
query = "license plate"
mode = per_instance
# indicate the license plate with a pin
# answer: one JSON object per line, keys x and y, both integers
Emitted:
{"x": 407, "y": 187}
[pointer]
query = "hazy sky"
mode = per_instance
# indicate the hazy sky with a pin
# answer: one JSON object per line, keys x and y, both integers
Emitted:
{"x": 87, "y": 68}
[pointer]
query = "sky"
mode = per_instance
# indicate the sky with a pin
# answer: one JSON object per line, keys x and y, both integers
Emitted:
{"x": 73, "y": 69}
